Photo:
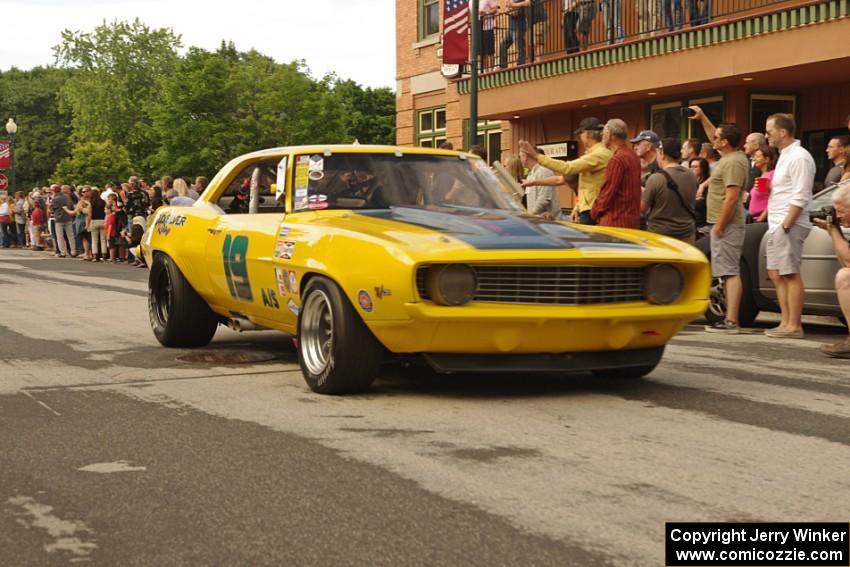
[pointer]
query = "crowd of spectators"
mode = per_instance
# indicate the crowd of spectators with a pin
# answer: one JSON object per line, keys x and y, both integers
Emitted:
{"x": 691, "y": 190}
{"x": 90, "y": 223}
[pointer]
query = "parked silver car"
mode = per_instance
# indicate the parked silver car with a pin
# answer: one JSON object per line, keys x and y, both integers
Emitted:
{"x": 818, "y": 270}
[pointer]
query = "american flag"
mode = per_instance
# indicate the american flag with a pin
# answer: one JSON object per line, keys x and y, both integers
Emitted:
{"x": 456, "y": 31}
{"x": 5, "y": 154}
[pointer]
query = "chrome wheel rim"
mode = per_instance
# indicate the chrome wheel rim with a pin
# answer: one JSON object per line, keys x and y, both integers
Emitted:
{"x": 717, "y": 298}
{"x": 317, "y": 329}
{"x": 162, "y": 297}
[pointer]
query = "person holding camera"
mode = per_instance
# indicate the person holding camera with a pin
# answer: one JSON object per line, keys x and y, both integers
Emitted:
{"x": 835, "y": 219}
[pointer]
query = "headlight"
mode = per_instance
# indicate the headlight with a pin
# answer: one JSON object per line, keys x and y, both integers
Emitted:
{"x": 452, "y": 284}
{"x": 663, "y": 284}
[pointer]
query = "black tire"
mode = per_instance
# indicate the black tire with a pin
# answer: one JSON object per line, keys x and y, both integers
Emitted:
{"x": 716, "y": 310}
{"x": 179, "y": 317}
{"x": 337, "y": 352}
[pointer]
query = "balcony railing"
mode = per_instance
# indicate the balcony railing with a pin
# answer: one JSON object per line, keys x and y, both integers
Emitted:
{"x": 550, "y": 28}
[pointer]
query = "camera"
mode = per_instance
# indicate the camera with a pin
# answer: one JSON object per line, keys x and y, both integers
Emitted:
{"x": 827, "y": 214}
{"x": 688, "y": 112}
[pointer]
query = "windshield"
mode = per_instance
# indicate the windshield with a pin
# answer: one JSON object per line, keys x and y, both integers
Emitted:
{"x": 382, "y": 181}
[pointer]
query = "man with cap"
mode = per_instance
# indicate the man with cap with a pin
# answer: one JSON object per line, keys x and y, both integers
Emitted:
{"x": 590, "y": 167}
{"x": 645, "y": 146}
{"x": 64, "y": 222}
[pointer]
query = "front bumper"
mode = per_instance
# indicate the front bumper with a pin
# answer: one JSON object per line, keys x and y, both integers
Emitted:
{"x": 564, "y": 363}
{"x": 522, "y": 329}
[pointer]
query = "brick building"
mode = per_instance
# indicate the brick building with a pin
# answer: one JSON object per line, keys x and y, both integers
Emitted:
{"x": 741, "y": 60}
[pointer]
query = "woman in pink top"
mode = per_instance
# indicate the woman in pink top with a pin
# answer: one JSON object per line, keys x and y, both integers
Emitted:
{"x": 764, "y": 159}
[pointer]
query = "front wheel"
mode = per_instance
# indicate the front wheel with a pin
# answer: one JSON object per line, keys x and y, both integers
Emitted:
{"x": 178, "y": 315}
{"x": 337, "y": 352}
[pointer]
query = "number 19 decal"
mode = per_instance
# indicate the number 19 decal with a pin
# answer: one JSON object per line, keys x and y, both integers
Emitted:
{"x": 235, "y": 254}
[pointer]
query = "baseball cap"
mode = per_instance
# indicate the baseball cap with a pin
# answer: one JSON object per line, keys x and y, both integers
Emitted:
{"x": 589, "y": 123}
{"x": 54, "y": 187}
{"x": 647, "y": 135}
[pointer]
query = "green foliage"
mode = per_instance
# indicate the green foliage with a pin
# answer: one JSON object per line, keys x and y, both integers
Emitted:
{"x": 31, "y": 98}
{"x": 119, "y": 67}
{"x": 369, "y": 113}
{"x": 94, "y": 163}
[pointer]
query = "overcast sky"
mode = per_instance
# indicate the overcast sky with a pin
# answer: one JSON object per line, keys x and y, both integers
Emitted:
{"x": 354, "y": 38}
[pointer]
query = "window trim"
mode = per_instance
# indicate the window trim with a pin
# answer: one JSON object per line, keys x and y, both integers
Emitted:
{"x": 422, "y": 24}
{"x": 686, "y": 132}
{"x": 756, "y": 95}
{"x": 435, "y": 133}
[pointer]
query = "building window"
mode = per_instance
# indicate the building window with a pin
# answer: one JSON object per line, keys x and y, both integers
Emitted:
{"x": 763, "y": 105}
{"x": 489, "y": 136}
{"x": 668, "y": 120}
{"x": 429, "y": 18}
{"x": 431, "y": 127}
{"x": 713, "y": 108}
{"x": 665, "y": 119}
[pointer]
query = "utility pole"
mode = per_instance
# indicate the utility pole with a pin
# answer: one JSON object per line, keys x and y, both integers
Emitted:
{"x": 474, "y": 24}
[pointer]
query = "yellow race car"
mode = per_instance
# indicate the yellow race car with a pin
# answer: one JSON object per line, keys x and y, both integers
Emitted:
{"x": 363, "y": 253}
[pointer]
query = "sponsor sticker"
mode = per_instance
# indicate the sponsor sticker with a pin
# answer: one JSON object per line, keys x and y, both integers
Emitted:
{"x": 316, "y": 202}
{"x": 284, "y": 230}
{"x": 165, "y": 222}
{"x": 382, "y": 292}
{"x": 288, "y": 250}
{"x": 282, "y": 281}
{"x": 317, "y": 163}
{"x": 293, "y": 307}
{"x": 292, "y": 282}
{"x": 365, "y": 301}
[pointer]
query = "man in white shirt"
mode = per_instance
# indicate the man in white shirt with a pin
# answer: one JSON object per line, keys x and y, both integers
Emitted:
{"x": 543, "y": 201}
{"x": 788, "y": 222}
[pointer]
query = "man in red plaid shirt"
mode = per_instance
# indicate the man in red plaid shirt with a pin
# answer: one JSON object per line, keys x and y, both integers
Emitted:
{"x": 618, "y": 203}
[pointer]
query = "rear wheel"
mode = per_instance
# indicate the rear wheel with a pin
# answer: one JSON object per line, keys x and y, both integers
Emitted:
{"x": 337, "y": 352}
{"x": 178, "y": 315}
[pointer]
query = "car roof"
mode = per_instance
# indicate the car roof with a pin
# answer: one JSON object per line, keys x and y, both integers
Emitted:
{"x": 351, "y": 149}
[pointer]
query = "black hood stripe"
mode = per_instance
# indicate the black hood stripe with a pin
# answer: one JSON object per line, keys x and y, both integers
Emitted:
{"x": 489, "y": 229}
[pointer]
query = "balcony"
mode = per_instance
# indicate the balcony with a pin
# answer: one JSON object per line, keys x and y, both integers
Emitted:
{"x": 543, "y": 40}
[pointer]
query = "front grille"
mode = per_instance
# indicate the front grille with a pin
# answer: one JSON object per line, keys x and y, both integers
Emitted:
{"x": 551, "y": 285}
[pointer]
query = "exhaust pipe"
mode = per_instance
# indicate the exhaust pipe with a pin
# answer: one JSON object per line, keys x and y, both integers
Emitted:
{"x": 241, "y": 325}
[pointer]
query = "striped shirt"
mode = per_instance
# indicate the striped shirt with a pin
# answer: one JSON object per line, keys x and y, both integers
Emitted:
{"x": 618, "y": 203}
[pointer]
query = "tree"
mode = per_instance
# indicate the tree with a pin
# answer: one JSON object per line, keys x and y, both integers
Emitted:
{"x": 369, "y": 113}
{"x": 32, "y": 99}
{"x": 219, "y": 105}
{"x": 119, "y": 69}
{"x": 94, "y": 163}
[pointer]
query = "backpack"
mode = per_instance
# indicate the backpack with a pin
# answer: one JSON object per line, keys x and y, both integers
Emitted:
{"x": 675, "y": 188}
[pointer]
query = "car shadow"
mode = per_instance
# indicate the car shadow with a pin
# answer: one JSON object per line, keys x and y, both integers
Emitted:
{"x": 422, "y": 380}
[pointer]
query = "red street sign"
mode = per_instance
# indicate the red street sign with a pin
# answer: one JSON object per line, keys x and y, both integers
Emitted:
{"x": 4, "y": 182}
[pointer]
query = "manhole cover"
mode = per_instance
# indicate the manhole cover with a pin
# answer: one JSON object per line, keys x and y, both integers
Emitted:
{"x": 226, "y": 357}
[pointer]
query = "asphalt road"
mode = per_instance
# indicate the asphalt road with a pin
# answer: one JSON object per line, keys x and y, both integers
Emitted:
{"x": 114, "y": 452}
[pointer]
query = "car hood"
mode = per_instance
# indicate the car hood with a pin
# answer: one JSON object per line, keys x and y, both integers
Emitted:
{"x": 487, "y": 229}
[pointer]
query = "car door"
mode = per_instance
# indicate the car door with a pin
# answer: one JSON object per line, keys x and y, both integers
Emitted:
{"x": 241, "y": 244}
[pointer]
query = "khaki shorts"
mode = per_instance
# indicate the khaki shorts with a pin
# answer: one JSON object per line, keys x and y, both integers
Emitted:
{"x": 726, "y": 251}
{"x": 785, "y": 250}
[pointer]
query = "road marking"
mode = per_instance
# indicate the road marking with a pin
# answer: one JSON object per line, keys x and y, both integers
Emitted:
{"x": 42, "y": 404}
{"x": 111, "y": 468}
{"x": 155, "y": 380}
{"x": 68, "y": 536}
